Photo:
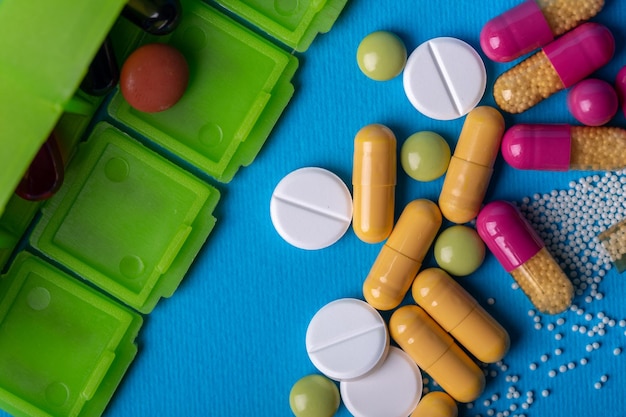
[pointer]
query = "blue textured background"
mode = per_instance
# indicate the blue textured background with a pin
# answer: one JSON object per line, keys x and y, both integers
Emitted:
{"x": 230, "y": 342}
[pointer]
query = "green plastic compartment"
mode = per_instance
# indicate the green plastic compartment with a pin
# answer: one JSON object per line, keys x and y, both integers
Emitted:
{"x": 41, "y": 70}
{"x": 19, "y": 213}
{"x": 296, "y": 23}
{"x": 239, "y": 85}
{"x": 14, "y": 221}
{"x": 64, "y": 347}
{"x": 126, "y": 219}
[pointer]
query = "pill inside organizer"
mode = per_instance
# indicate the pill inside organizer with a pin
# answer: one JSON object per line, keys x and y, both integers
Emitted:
{"x": 346, "y": 339}
{"x": 444, "y": 78}
{"x": 154, "y": 77}
{"x": 311, "y": 208}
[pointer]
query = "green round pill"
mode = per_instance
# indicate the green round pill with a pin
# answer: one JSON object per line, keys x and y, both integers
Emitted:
{"x": 459, "y": 250}
{"x": 425, "y": 156}
{"x": 381, "y": 55}
{"x": 314, "y": 396}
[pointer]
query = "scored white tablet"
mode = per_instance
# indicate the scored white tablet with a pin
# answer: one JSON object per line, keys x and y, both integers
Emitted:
{"x": 444, "y": 78}
{"x": 346, "y": 339}
{"x": 311, "y": 208}
{"x": 391, "y": 390}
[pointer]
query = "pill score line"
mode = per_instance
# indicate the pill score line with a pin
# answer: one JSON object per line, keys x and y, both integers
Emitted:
{"x": 445, "y": 76}
{"x": 310, "y": 207}
{"x": 346, "y": 337}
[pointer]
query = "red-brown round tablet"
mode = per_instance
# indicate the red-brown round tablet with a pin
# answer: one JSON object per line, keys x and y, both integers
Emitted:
{"x": 154, "y": 77}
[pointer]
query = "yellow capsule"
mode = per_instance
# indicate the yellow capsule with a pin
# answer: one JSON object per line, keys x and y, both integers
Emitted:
{"x": 436, "y": 353}
{"x": 436, "y": 404}
{"x": 374, "y": 182}
{"x": 471, "y": 166}
{"x": 458, "y": 313}
{"x": 401, "y": 256}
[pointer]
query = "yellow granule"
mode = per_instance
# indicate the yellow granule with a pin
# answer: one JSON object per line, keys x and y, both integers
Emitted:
{"x": 526, "y": 84}
{"x": 545, "y": 283}
{"x": 598, "y": 148}
{"x": 563, "y": 15}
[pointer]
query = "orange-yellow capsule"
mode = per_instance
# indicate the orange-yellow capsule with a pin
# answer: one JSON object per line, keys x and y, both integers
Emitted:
{"x": 436, "y": 404}
{"x": 458, "y": 313}
{"x": 374, "y": 183}
{"x": 471, "y": 166}
{"x": 401, "y": 256}
{"x": 436, "y": 353}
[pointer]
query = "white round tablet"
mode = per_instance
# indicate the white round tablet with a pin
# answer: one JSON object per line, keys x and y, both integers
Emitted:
{"x": 311, "y": 208}
{"x": 444, "y": 78}
{"x": 391, "y": 390}
{"x": 346, "y": 339}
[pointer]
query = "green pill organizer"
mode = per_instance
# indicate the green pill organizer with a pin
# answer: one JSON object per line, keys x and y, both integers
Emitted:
{"x": 116, "y": 182}
{"x": 64, "y": 346}
{"x": 91, "y": 253}
{"x": 239, "y": 84}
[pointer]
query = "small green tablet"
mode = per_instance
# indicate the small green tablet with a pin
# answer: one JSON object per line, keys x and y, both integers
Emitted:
{"x": 314, "y": 396}
{"x": 459, "y": 250}
{"x": 381, "y": 55}
{"x": 425, "y": 156}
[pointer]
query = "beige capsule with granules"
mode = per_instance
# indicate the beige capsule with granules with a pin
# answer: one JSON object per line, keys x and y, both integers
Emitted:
{"x": 522, "y": 253}
{"x": 532, "y": 24}
{"x": 559, "y": 65}
{"x": 561, "y": 147}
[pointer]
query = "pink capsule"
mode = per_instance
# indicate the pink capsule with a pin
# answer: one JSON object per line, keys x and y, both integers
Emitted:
{"x": 532, "y": 24}
{"x": 559, "y": 65}
{"x": 561, "y": 147}
{"x": 522, "y": 253}
{"x": 620, "y": 86}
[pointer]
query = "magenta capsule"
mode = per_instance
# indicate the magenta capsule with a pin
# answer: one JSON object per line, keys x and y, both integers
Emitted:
{"x": 562, "y": 147}
{"x": 620, "y": 86}
{"x": 559, "y": 65}
{"x": 533, "y": 24}
{"x": 522, "y": 253}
